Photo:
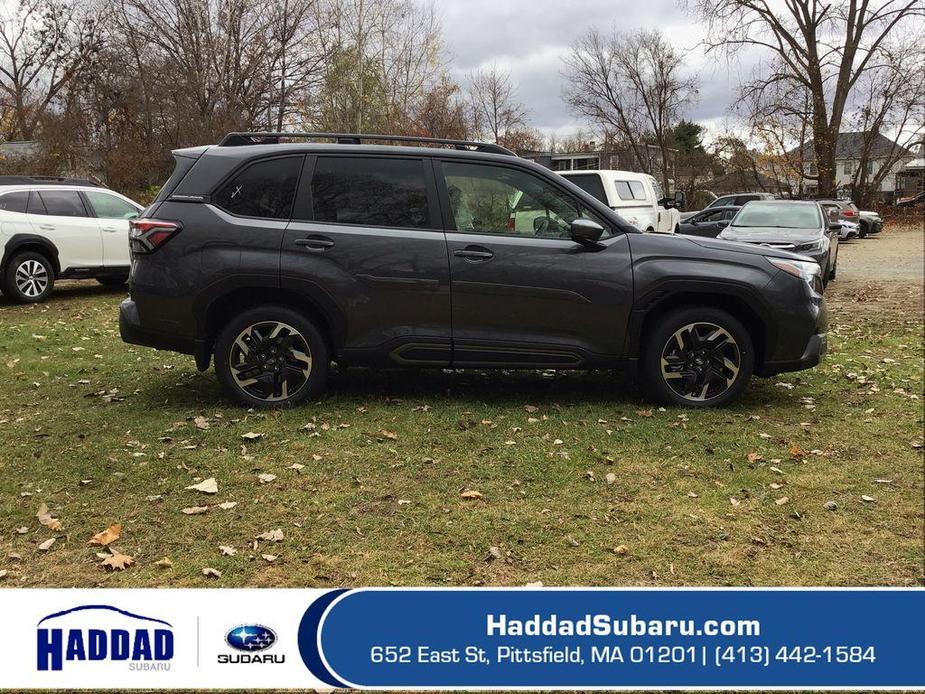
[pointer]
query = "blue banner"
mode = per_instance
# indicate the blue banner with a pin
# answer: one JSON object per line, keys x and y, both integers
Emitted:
{"x": 610, "y": 638}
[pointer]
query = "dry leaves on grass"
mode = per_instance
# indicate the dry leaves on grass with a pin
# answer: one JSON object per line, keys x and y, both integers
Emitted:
{"x": 471, "y": 494}
{"x": 45, "y": 546}
{"x": 164, "y": 563}
{"x": 46, "y": 519}
{"x": 195, "y": 510}
{"x": 252, "y": 436}
{"x": 266, "y": 477}
{"x": 107, "y": 536}
{"x": 209, "y": 486}
{"x": 272, "y": 535}
{"x": 201, "y": 423}
{"x": 117, "y": 561}
{"x": 228, "y": 550}
{"x": 211, "y": 573}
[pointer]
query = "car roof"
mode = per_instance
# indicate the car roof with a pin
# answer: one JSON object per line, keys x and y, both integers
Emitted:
{"x": 617, "y": 172}
{"x": 11, "y": 187}
{"x": 778, "y": 203}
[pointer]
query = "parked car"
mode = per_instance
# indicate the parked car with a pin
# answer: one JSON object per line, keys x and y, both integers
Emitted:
{"x": 281, "y": 256}
{"x": 871, "y": 222}
{"x": 791, "y": 225}
{"x": 732, "y": 199}
{"x": 636, "y": 197}
{"x": 848, "y": 210}
{"x": 847, "y": 229}
{"x": 708, "y": 222}
{"x": 66, "y": 229}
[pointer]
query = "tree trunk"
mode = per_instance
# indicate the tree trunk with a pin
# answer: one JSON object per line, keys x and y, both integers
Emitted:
{"x": 824, "y": 145}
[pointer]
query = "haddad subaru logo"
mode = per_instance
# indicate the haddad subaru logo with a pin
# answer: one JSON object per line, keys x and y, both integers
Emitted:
{"x": 251, "y": 639}
{"x": 103, "y": 633}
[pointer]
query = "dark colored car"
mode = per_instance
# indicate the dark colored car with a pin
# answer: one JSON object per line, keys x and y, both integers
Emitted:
{"x": 281, "y": 256}
{"x": 797, "y": 226}
{"x": 708, "y": 222}
{"x": 731, "y": 200}
{"x": 848, "y": 210}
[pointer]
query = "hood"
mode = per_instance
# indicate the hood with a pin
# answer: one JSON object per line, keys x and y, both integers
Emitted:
{"x": 754, "y": 249}
{"x": 773, "y": 235}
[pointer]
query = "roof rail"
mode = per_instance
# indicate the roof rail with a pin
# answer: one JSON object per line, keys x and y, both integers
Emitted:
{"x": 48, "y": 180}
{"x": 273, "y": 138}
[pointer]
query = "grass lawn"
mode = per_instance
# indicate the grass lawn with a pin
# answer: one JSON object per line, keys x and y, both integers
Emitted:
{"x": 580, "y": 481}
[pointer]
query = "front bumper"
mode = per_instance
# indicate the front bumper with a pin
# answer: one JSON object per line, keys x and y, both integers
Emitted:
{"x": 816, "y": 348}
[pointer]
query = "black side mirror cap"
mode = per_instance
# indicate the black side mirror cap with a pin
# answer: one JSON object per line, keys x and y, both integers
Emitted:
{"x": 834, "y": 226}
{"x": 723, "y": 223}
{"x": 587, "y": 232}
{"x": 680, "y": 199}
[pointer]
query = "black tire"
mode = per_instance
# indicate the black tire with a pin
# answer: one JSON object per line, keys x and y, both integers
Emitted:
{"x": 704, "y": 360}
{"x": 301, "y": 357}
{"x": 113, "y": 281}
{"x": 29, "y": 278}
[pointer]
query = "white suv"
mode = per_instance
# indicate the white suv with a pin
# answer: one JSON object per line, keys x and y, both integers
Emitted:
{"x": 64, "y": 230}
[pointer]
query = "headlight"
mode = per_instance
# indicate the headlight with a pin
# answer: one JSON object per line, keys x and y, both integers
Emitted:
{"x": 806, "y": 270}
{"x": 819, "y": 245}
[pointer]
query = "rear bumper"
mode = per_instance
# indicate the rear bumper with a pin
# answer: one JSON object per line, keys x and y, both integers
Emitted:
{"x": 132, "y": 331}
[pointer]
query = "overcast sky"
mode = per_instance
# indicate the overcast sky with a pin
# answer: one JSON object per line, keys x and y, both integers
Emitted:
{"x": 530, "y": 38}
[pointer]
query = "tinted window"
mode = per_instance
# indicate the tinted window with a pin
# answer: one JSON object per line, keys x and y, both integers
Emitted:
{"x": 387, "y": 192}
{"x": 15, "y": 202}
{"x": 591, "y": 183}
{"x": 264, "y": 189}
{"x": 720, "y": 202}
{"x": 501, "y": 200}
{"x": 742, "y": 199}
{"x": 108, "y": 206}
{"x": 775, "y": 214}
{"x": 63, "y": 203}
{"x": 36, "y": 206}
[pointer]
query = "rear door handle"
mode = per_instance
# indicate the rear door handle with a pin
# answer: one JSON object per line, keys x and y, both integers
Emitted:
{"x": 315, "y": 244}
{"x": 474, "y": 253}
{"x": 111, "y": 229}
{"x": 47, "y": 227}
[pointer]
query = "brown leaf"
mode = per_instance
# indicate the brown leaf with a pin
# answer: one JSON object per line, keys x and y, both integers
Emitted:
{"x": 797, "y": 452}
{"x": 209, "y": 486}
{"x": 227, "y": 550}
{"x": 620, "y": 549}
{"x": 753, "y": 457}
{"x": 164, "y": 563}
{"x": 390, "y": 435}
{"x": 46, "y": 519}
{"x": 471, "y": 494}
{"x": 268, "y": 557}
{"x": 266, "y": 477}
{"x": 251, "y": 436}
{"x": 201, "y": 422}
{"x": 211, "y": 573}
{"x": 272, "y": 535}
{"x": 107, "y": 536}
{"x": 783, "y": 500}
{"x": 225, "y": 505}
{"x": 117, "y": 561}
{"x": 45, "y": 546}
{"x": 195, "y": 510}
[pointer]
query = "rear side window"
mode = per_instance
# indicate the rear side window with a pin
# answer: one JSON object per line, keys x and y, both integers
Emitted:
{"x": 63, "y": 203}
{"x": 386, "y": 192}
{"x": 15, "y": 202}
{"x": 742, "y": 199}
{"x": 630, "y": 190}
{"x": 590, "y": 183}
{"x": 264, "y": 189}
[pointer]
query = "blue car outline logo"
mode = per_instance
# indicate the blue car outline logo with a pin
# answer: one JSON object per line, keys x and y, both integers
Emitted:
{"x": 250, "y": 638}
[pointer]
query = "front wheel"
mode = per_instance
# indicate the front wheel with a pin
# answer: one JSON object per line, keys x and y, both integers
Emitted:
{"x": 29, "y": 279}
{"x": 271, "y": 356}
{"x": 697, "y": 357}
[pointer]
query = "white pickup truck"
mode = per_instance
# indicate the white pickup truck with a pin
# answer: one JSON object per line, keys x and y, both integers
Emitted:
{"x": 636, "y": 197}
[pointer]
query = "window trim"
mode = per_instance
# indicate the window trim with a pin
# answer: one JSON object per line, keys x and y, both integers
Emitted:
{"x": 304, "y": 205}
{"x": 243, "y": 166}
{"x": 449, "y": 222}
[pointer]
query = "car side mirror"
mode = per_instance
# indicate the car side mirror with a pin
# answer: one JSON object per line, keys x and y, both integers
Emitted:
{"x": 723, "y": 223}
{"x": 680, "y": 199}
{"x": 586, "y": 231}
{"x": 834, "y": 226}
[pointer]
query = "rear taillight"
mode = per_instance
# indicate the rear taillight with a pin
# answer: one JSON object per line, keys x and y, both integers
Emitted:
{"x": 848, "y": 212}
{"x": 148, "y": 235}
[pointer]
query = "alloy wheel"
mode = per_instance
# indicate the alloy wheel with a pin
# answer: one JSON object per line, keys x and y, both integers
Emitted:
{"x": 700, "y": 361}
{"x": 31, "y": 278}
{"x": 270, "y": 361}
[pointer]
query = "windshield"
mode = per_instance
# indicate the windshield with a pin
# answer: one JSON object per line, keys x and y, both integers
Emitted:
{"x": 783, "y": 216}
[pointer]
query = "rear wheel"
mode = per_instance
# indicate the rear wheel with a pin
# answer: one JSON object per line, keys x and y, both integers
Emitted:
{"x": 113, "y": 281}
{"x": 271, "y": 356}
{"x": 697, "y": 357}
{"x": 29, "y": 278}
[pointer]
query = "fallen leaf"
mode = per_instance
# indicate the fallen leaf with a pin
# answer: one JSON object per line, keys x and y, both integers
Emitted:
{"x": 227, "y": 550}
{"x": 867, "y": 499}
{"x": 3, "y": 573}
{"x": 195, "y": 510}
{"x": 734, "y": 501}
{"x": 201, "y": 422}
{"x": 692, "y": 495}
{"x": 46, "y": 519}
{"x": 117, "y": 561}
{"x": 164, "y": 563}
{"x": 495, "y": 553}
{"x": 268, "y": 557}
{"x": 107, "y": 536}
{"x": 296, "y": 466}
{"x": 754, "y": 457}
{"x": 250, "y": 436}
{"x": 783, "y": 500}
{"x": 225, "y": 505}
{"x": 797, "y": 452}
{"x": 620, "y": 549}
{"x": 272, "y": 535}
{"x": 266, "y": 477}
{"x": 775, "y": 486}
{"x": 391, "y": 435}
{"x": 45, "y": 546}
{"x": 531, "y": 408}
{"x": 471, "y": 494}
{"x": 610, "y": 478}
{"x": 23, "y": 530}
{"x": 211, "y": 573}
{"x": 209, "y": 486}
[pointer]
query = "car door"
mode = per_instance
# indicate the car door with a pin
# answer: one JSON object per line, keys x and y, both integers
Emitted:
{"x": 525, "y": 294}
{"x": 706, "y": 223}
{"x": 62, "y": 218}
{"x": 112, "y": 213}
{"x": 366, "y": 241}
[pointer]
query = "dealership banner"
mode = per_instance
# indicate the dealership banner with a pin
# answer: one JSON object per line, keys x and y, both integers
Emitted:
{"x": 422, "y": 638}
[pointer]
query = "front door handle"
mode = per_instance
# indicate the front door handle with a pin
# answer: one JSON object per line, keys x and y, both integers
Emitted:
{"x": 315, "y": 244}
{"x": 474, "y": 253}
{"x": 111, "y": 229}
{"x": 47, "y": 227}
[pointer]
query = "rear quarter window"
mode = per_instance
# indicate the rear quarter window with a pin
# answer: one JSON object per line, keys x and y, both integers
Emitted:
{"x": 263, "y": 189}
{"x": 591, "y": 184}
{"x": 63, "y": 203}
{"x": 15, "y": 202}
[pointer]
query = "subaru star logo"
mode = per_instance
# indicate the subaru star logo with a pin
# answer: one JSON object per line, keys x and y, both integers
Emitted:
{"x": 250, "y": 638}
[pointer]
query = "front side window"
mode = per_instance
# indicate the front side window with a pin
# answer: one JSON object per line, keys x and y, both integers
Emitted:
{"x": 264, "y": 189}
{"x": 108, "y": 206}
{"x": 63, "y": 203}
{"x": 501, "y": 200}
{"x": 369, "y": 191}
{"x": 15, "y": 202}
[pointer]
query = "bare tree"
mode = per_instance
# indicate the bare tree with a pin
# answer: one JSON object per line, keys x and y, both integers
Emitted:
{"x": 496, "y": 111}
{"x": 633, "y": 85}
{"x": 823, "y": 47}
{"x": 44, "y": 44}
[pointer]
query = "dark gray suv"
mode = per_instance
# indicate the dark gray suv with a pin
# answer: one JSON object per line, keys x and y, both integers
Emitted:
{"x": 279, "y": 254}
